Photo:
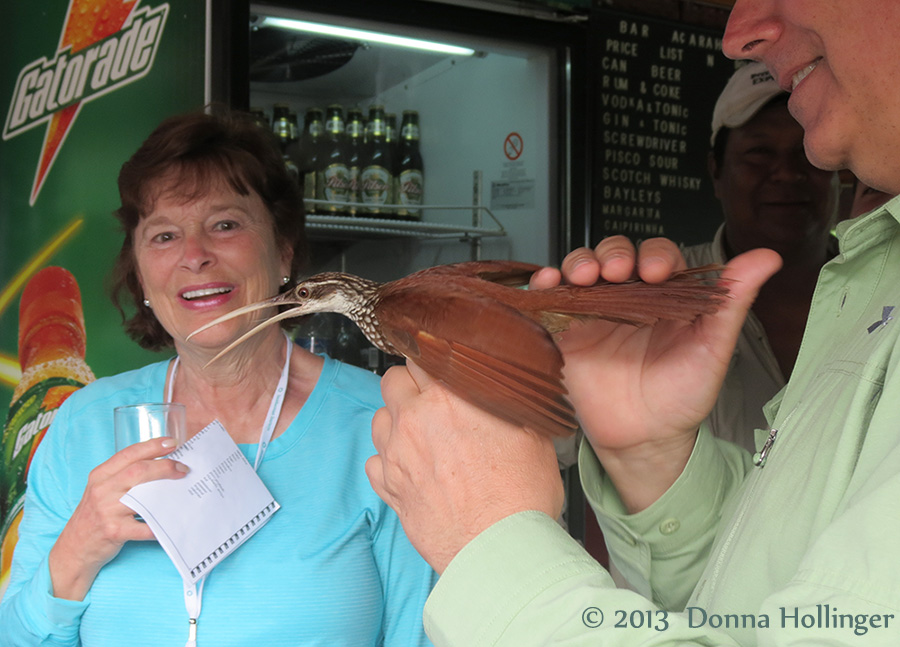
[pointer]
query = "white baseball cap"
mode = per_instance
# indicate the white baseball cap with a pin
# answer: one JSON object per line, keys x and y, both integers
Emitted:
{"x": 749, "y": 89}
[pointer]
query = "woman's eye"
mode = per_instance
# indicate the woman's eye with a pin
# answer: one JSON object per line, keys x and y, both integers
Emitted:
{"x": 163, "y": 237}
{"x": 226, "y": 225}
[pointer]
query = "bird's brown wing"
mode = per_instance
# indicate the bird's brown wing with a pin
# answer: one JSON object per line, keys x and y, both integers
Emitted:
{"x": 512, "y": 273}
{"x": 484, "y": 351}
{"x": 683, "y": 297}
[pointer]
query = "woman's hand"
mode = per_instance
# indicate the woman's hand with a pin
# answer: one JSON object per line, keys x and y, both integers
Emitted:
{"x": 642, "y": 392}
{"x": 101, "y": 523}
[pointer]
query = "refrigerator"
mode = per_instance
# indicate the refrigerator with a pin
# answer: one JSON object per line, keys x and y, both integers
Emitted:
{"x": 499, "y": 119}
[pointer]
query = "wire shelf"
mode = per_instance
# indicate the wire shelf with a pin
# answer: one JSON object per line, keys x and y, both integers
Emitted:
{"x": 356, "y": 227}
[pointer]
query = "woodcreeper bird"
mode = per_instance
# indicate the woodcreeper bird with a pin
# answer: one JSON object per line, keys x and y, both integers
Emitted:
{"x": 469, "y": 327}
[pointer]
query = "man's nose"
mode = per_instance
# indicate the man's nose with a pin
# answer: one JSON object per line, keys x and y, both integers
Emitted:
{"x": 753, "y": 26}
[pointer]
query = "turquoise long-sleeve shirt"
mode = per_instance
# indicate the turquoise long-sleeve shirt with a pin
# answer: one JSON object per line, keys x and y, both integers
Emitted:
{"x": 801, "y": 551}
{"x": 332, "y": 566}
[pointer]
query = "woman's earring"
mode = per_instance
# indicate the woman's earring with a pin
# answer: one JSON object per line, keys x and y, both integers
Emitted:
{"x": 285, "y": 280}
{"x": 147, "y": 302}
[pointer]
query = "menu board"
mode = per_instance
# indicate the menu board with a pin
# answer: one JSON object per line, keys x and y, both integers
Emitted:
{"x": 657, "y": 83}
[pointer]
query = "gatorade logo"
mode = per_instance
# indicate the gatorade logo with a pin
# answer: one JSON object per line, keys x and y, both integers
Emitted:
{"x": 105, "y": 45}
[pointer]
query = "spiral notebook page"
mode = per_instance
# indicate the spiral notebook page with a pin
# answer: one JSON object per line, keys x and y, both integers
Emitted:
{"x": 200, "y": 519}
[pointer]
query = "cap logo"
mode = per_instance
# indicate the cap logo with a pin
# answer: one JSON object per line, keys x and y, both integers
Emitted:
{"x": 761, "y": 77}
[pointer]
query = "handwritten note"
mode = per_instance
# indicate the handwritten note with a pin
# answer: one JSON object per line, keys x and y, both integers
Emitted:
{"x": 200, "y": 519}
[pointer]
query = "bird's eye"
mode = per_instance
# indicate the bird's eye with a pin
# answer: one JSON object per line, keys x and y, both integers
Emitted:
{"x": 303, "y": 293}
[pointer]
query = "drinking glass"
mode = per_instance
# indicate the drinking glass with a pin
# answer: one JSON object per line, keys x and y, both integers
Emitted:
{"x": 136, "y": 423}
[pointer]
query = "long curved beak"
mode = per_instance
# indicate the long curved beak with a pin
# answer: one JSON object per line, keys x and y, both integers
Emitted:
{"x": 259, "y": 305}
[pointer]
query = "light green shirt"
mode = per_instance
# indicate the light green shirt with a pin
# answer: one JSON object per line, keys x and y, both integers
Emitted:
{"x": 803, "y": 550}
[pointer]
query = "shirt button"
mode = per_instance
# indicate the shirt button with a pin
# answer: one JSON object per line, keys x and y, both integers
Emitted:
{"x": 669, "y": 526}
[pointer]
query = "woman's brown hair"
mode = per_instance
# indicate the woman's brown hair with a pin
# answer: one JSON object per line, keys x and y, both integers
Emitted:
{"x": 187, "y": 154}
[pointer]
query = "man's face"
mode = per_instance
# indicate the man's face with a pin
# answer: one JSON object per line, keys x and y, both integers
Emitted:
{"x": 770, "y": 193}
{"x": 839, "y": 61}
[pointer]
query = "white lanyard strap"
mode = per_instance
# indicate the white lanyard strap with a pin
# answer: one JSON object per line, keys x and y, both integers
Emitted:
{"x": 265, "y": 436}
{"x": 193, "y": 593}
{"x": 193, "y": 599}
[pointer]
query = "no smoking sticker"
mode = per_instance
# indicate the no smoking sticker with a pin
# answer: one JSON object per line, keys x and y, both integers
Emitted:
{"x": 513, "y": 146}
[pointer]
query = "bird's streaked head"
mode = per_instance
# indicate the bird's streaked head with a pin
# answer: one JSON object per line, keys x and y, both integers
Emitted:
{"x": 327, "y": 292}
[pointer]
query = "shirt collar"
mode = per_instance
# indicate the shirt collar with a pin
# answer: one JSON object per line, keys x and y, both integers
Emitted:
{"x": 870, "y": 227}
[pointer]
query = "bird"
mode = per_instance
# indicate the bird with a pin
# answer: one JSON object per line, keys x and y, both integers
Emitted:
{"x": 470, "y": 326}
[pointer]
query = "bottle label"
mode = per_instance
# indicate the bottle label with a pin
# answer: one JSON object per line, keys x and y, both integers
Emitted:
{"x": 375, "y": 185}
{"x": 309, "y": 185}
{"x": 334, "y": 183}
{"x": 412, "y": 187}
{"x": 354, "y": 184}
{"x": 28, "y": 420}
{"x": 334, "y": 125}
{"x": 410, "y": 131}
{"x": 282, "y": 128}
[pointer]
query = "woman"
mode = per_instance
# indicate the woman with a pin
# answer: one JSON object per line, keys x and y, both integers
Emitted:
{"x": 212, "y": 221}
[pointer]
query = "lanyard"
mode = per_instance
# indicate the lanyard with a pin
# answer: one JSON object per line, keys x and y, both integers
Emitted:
{"x": 193, "y": 593}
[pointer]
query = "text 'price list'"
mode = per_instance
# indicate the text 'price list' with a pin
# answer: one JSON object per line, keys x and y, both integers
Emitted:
{"x": 657, "y": 85}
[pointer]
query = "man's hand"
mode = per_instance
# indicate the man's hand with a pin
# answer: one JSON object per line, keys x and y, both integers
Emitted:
{"x": 450, "y": 470}
{"x": 641, "y": 392}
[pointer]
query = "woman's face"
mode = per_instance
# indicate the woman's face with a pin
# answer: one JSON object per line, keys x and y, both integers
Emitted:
{"x": 202, "y": 257}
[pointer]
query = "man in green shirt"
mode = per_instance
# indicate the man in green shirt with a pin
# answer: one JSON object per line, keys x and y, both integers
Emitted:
{"x": 795, "y": 545}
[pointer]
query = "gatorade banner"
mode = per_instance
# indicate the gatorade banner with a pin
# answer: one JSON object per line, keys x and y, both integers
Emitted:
{"x": 82, "y": 84}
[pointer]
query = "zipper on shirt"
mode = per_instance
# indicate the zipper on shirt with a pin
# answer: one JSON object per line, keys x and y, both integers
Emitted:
{"x": 759, "y": 458}
{"x": 746, "y": 498}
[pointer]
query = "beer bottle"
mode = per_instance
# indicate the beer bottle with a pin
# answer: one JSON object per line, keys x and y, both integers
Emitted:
{"x": 333, "y": 176}
{"x": 315, "y": 333}
{"x": 376, "y": 177}
{"x": 411, "y": 171}
{"x": 259, "y": 117}
{"x": 355, "y": 144}
{"x": 51, "y": 354}
{"x": 393, "y": 145}
{"x": 281, "y": 124}
{"x": 293, "y": 125}
{"x": 391, "y": 133}
{"x": 284, "y": 130}
{"x": 310, "y": 153}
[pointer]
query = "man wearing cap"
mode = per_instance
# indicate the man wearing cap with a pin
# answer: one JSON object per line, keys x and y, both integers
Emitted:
{"x": 771, "y": 197}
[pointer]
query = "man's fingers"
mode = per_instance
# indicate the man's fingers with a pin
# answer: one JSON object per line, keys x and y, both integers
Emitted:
{"x": 420, "y": 378}
{"x": 747, "y": 273}
{"x": 375, "y": 472}
{"x": 658, "y": 258}
{"x": 381, "y": 428}
{"x": 616, "y": 256}
{"x": 546, "y": 277}
{"x": 581, "y": 267}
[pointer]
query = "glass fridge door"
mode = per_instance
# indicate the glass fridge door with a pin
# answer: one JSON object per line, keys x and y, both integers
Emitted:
{"x": 488, "y": 114}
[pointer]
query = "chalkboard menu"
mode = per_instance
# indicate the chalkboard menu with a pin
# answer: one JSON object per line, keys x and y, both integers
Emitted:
{"x": 656, "y": 83}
